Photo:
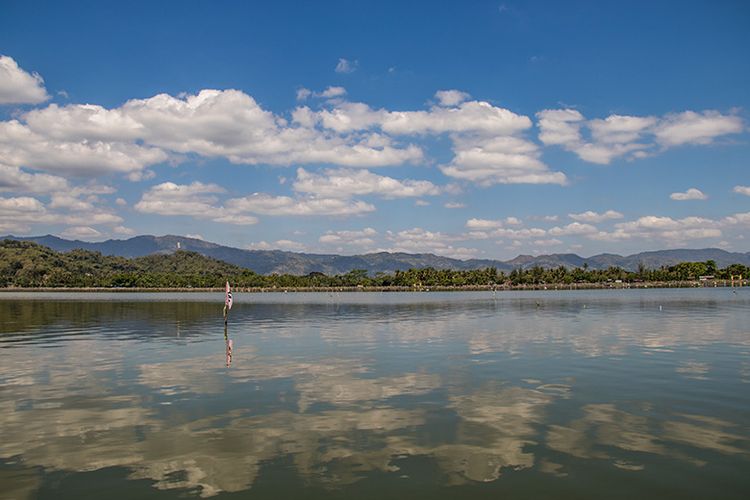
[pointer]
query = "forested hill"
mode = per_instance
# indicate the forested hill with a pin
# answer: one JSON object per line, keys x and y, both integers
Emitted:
{"x": 281, "y": 262}
{"x": 27, "y": 264}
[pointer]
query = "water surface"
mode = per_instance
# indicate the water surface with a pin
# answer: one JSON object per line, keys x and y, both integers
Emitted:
{"x": 557, "y": 394}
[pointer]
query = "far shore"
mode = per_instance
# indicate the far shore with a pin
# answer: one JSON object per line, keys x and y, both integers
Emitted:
{"x": 472, "y": 288}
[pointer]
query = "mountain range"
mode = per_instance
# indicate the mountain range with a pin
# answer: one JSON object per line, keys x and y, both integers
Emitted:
{"x": 279, "y": 261}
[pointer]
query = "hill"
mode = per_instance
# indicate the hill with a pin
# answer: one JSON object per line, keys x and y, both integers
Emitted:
{"x": 27, "y": 264}
{"x": 282, "y": 262}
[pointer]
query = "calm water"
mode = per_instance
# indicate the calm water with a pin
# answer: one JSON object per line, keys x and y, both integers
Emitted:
{"x": 603, "y": 394}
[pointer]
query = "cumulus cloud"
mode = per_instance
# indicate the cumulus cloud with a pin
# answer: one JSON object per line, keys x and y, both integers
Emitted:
{"x": 499, "y": 160}
{"x": 632, "y": 136}
{"x": 450, "y": 98}
{"x": 574, "y": 228}
{"x": 124, "y": 231}
{"x": 741, "y": 219}
{"x": 286, "y": 245}
{"x": 468, "y": 117}
{"x": 690, "y": 194}
{"x": 454, "y": 204}
{"x": 342, "y": 239}
{"x": 672, "y": 231}
{"x": 594, "y": 217}
{"x": 346, "y": 66}
{"x": 419, "y": 240}
{"x": 483, "y": 229}
{"x": 488, "y": 142}
{"x": 23, "y": 212}
{"x": 20, "y": 146}
{"x": 265, "y": 204}
{"x": 195, "y": 199}
{"x": 332, "y": 92}
{"x": 200, "y": 201}
{"x": 742, "y": 190}
{"x": 690, "y": 127}
{"x": 345, "y": 183}
{"x": 78, "y": 232}
{"x": 90, "y": 139}
{"x": 18, "y": 86}
{"x": 18, "y": 180}
{"x": 551, "y": 242}
{"x": 485, "y": 224}
{"x": 303, "y": 93}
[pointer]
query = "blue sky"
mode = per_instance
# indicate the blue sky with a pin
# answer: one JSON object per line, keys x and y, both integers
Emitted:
{"x": 467, "y": 129}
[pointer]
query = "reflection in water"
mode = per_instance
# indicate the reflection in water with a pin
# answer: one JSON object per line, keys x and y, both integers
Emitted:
{"x": 340, "y": 393}
{"x": 229, "y": 345}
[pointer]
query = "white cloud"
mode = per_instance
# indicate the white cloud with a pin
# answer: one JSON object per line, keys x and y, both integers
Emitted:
{"x": 88, "y": 139}
{"x": 85, "y": 232}
{"x": 486, "y": 224}
{"x": 451, "y": 98}
{"x": 742, "y": 190}
{"x": 737, "y": 219}
{"x": 303, "y": 93}
{"x": 468, "y": 117}
{"x": 22, "y": 147}
{"x": 636, "y": 136}
{"x": 265, "y": 204}
{"x": 168, "y": 198}
{"x": 125, "y": 231}
{"x": 17, "y": 180}
{"x": 499, "y": 160}
{"x": 483, "y": 229}
{"x": 341, "y": 239}
{"x": 421, "y": 203}
{"x": 594, "y": 217}
{"x": 618, "y": 129}
{"x": 672, "y": 231}
{"x": 690, "y": 194}
{"x": 24, "y": 204}
{"x": 290, "y": 245}
{"x": 346, "y": 66}
{"x": 19, "y": 87}
{"x": 195, "y": 236}
{"x": 332, "y": 92}
{"x": 419, "y": 240}
{"x": 199, "y": 200}
{"x": 285, "y": 245}
{"x": 454, "y": 204}
{"x": 471, "y": 116}
{"x": 690, "y": 127}
{"x": 548, "y": 242}
{"x": 574, "y": 228}
{"x": 344, "y": 183}
{"x": 196, "y": 200}
{"x": 560, "y": 126}
{"x": 23, "y": 212}
{"x": 613, "y": 136}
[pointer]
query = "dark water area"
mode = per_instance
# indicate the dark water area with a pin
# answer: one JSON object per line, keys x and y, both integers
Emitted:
{"x": 550, "y": 394}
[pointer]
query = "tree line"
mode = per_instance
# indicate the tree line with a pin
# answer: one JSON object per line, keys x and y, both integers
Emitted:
{"x": 29, "y": 265}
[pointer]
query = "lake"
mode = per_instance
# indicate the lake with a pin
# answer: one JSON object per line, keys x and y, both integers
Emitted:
{"x": 549, "y": 394}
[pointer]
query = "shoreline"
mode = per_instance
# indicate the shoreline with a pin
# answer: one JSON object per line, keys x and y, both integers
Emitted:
{"x": 468, "y": 288}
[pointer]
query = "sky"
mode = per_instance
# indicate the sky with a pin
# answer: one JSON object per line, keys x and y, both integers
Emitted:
{"x": 479, "y": 129}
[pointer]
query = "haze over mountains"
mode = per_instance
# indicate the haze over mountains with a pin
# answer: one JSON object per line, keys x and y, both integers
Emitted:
{"x": 278, "y": 261}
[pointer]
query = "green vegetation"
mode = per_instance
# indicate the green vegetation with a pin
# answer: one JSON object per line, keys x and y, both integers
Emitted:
{"x": 26, "y": 264}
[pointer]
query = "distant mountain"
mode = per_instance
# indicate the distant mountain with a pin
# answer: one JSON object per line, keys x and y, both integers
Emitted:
{"x": 278, "y": 261}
